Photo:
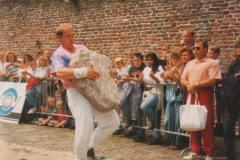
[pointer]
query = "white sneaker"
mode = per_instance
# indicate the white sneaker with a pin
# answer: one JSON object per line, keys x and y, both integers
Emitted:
{"x": 209, "y": 158}
{"x": 32, "y": 110}
{"x": 192, "y": 156}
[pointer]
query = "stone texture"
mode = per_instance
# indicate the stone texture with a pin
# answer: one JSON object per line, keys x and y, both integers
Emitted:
{"x": 102, "y": 93}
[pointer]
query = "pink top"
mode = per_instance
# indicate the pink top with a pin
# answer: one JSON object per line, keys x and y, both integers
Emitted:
{"x": 196, "y": 71}
{"x": 60, "y": 59}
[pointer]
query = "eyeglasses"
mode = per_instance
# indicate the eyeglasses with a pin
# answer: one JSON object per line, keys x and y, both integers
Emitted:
{"x": 196, "y": 48}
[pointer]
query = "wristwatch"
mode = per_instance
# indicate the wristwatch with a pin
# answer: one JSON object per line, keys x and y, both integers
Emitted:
{"x": 196, "y": 84}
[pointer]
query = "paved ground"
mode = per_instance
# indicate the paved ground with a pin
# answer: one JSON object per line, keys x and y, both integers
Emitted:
{"x": 32, "y": 142}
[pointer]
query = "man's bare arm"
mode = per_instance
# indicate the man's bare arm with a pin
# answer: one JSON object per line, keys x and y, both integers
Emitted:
{"x": 184, "y": 82}
{"x": 70, "y": 73}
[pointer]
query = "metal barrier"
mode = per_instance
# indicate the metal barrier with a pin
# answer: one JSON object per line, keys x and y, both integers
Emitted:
{"x": 161, "y": 114}
{"x": 53, "y": 88}
{"x": 52, "y": 100}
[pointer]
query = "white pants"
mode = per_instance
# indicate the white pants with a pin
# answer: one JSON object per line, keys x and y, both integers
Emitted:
{"x": 85, "y": 135}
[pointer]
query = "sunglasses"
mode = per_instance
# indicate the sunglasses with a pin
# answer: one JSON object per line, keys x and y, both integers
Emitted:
{"x": 196, "y": 48}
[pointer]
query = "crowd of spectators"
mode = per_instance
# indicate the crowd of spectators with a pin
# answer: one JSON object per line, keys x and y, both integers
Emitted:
{"x": 154, "y": 86}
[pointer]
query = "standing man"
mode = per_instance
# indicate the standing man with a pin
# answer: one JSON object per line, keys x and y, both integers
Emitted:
{"x": 189, "y": 37}
{"x": 200, "y": 76}
{"x": 86, "y": 138}
{"x": 182, "y": 44}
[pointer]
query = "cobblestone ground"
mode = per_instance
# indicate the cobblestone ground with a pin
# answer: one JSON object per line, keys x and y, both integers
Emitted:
{"x": 113, "y": 148}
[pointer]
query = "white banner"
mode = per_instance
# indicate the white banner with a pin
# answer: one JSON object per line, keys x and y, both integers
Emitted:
{"x": 12, "y": 97}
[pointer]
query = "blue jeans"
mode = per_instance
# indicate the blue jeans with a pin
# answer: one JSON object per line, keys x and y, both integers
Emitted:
{"x": 31, "y": 96}
{"x": 126, "y": 111}
{"x": 172, "y": 121}
{"x": 149, "y": 106}
{"x": 141, "y": 132}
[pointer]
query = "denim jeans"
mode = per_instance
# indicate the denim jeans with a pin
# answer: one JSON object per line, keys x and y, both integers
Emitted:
{"x": 149, "y": 106}
{"x": 172, "y": 121}
{"x": 126, "y": 110}
{"x": 31, "y": 96}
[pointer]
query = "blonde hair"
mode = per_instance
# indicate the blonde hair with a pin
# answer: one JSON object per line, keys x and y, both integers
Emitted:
{"x": 118, "y": 59}
{"x": 42, "y": 58}
{"x": 215, "y": 49}
{"x": 175, "y": 53}
{"x": 59, "y": 103}
{"x": 62, "y": 27}
{"x": 51, "y": 99}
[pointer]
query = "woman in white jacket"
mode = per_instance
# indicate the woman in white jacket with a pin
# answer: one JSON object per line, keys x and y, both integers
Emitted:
{"x": 153, "y": 99}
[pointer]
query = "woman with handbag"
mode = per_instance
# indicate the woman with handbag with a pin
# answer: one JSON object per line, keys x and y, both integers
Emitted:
{"x": 174, "y": 97}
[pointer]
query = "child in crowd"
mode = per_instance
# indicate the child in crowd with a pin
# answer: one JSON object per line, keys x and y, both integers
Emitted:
{"x": 31, "y": 89}
{"x": 51, "y": 108}
{"x": 60, "y": 121}
{"x": 122, "y": 71}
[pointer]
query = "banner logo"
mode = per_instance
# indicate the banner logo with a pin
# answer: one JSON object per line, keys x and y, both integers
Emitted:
{"x": 8, "y": 101}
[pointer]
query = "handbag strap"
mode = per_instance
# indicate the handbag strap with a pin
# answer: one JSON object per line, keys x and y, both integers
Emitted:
{"x": 196, "y": 99}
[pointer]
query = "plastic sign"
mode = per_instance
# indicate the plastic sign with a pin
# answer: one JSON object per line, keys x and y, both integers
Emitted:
{"x": 8, "y": 101}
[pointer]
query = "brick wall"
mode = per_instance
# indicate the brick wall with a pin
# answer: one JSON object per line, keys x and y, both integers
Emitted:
{"x": 118, "y": 26}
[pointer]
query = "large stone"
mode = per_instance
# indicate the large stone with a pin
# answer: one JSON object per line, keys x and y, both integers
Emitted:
{"x": 103, "y": 92}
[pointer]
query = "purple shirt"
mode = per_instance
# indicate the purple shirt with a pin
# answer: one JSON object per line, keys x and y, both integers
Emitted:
{"x": 60, "y": 59}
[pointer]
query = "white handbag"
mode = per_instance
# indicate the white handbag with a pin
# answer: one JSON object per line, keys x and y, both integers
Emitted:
{"x": 193, "y": 117}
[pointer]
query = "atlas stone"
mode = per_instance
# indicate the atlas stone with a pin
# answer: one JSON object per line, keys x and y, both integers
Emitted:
{"x": 103, "y": 92}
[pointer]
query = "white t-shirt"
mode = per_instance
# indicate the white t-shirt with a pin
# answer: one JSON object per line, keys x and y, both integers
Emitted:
{"x": 42, "y": 72}
{"x": 121, "y": 72}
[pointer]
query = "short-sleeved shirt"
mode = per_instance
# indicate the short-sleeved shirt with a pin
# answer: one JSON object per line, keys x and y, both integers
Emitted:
{"x": 61, "y": 59}
{"x": 196, "y": 71}
{"x": 121, "y": 72}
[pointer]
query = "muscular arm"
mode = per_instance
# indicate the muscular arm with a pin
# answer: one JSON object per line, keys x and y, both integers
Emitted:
{"x": 192, "y": 87}
{"x": 207, "y": 83}
{"x": 70, "y": 73}
{"x": 66, "y": 73}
